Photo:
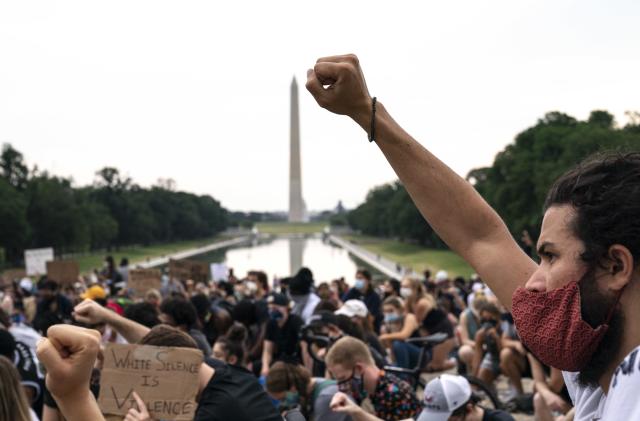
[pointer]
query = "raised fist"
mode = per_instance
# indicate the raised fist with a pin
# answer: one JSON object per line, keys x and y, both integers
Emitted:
{"x": 91, "y": 313}
{"x": 337, "y": 84}
{"x": 69, "y": 354}
{"x": 341, "y": 403}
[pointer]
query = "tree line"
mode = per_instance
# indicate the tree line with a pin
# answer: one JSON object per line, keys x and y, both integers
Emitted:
{"x": 38, "y": 209}
{"x": 517, "y": 182}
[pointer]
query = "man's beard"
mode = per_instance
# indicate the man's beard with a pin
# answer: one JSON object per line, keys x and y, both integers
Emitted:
{"x": 596, "y": 307}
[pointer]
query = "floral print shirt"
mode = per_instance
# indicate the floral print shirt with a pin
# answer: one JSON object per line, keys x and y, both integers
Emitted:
{"x": 394, "y": 399}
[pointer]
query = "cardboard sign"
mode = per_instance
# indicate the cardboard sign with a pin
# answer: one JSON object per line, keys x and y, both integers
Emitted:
{"x": 11, "y": 275}
{"x": 142, "y": 280}
{"x": 189, "y": 269}
{"x": 36, "y": 260}
{"x": 166, "y": 379}
{"x": 63, "y": 271}
{"x": 219, "y": 272}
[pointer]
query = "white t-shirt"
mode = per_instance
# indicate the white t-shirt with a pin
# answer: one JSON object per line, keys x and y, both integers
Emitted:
{"x": 621, "y": 403}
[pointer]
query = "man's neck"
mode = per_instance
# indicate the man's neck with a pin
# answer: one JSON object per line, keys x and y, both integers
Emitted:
{"x": 371, "y": 377}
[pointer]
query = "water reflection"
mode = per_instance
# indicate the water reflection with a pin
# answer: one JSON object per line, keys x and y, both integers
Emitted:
{"x": 285, "y": 256}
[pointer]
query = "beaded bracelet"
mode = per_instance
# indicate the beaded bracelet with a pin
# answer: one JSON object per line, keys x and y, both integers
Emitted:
{"x": 372, "y": 133}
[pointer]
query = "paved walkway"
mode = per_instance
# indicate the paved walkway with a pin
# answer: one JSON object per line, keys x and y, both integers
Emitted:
{"x": 382, "y": 264}
{"x": 159, "y": 261}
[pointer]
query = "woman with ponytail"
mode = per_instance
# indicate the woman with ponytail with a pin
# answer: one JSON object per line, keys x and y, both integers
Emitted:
{"x": 231, "y": 348}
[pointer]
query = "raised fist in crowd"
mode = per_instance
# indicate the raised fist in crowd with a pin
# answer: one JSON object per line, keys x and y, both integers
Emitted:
{"x": 337, "y": 84}
{"x": 69, "y": 354}
{"x": 91, "y": 313}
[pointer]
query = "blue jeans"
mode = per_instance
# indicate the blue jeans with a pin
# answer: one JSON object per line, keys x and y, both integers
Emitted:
{"x": 406, "y": 354}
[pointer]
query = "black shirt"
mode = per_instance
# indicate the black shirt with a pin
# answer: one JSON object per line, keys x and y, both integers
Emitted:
{"x": 371, "y": 300}
{"x": 234, "y": 394}
{"x": 285, "y": 339}
{"x": 30, "y": 375}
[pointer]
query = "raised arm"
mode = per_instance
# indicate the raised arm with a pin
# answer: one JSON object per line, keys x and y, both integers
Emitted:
{"x": 69, "y": 354}
{"x": 91, "y": 312}
{"x": 449, "y": 203}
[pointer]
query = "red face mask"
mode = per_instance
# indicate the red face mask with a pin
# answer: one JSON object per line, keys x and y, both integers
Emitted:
{"x": 550, "y": 324}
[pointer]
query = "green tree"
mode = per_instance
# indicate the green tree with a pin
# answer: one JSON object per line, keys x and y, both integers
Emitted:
{"x": 14, "y": 229}
{"x": 12, "y": 167}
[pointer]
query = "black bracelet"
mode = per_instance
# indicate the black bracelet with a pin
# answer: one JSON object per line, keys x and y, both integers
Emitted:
{"x": 372, "y": 133}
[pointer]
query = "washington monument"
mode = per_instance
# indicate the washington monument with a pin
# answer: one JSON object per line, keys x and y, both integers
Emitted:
{"x": 297, "y": 211}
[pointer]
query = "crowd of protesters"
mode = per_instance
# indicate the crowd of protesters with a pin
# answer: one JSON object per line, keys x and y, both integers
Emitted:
{"x": 567, "y": 319}
{"x": 252, "y": 334}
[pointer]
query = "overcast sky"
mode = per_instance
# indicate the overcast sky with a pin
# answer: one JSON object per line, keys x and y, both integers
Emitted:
{"x": 199, "y": 91}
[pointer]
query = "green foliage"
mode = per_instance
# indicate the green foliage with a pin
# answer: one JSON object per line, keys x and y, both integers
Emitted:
{"x": 39, "y": 210}
{"x": 12, "y": 167}
{"x": 517, "y": 182}
{"x": 14, "y": 228}
{"x": 389, "y": 212}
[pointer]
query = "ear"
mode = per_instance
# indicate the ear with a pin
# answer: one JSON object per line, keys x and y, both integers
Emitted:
{"x": 232, "y": 360}
{"x": 620, "y": 267}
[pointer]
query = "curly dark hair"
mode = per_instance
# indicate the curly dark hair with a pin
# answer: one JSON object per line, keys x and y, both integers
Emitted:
{"x": 181, "y": 311}
{"x": 605, "y": 192}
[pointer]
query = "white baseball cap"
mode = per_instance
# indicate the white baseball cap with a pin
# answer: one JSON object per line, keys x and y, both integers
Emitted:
{"x": 353, "y": 308}
{"x": 442, "y": 276}
{"x": 442, "y": 396}
{"x": 26, "y": 284}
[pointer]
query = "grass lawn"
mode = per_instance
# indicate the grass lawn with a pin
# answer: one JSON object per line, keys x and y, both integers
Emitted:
{"x": 290, "y": 228}
{"x": 417, "y": 257}
{"x": 136, "y": 254}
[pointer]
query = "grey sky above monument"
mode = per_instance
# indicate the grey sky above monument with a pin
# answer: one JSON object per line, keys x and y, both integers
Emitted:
{"x": 199, "y": 91}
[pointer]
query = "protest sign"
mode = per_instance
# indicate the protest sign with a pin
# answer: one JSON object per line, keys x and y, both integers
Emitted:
{"x": 63, "y": 271}
{"x": 142, "y": 280}
{"x": 36, "y": 260}
{"x": 189, "y": 269}
{"x": 11, "y": 275}
{"x": 219, "y": 272}
{"x": 166, "y": 378}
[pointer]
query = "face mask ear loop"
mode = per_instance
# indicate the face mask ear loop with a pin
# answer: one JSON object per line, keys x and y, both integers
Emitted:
{"x": 615, "y": 305}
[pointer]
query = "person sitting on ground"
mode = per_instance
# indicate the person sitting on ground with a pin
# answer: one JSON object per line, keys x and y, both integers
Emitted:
{"x": 350, "y": 363}
{"x": 231, "y": 347}
{"x": 488, "y": 340}
{"x": 180, "y": 313}
{"x": 53, "y": 307}
{"x": 293, "y": 386}
{"x": 302, "y": 295}
{"x": 214, "y": 320}
{"x": 153, "y": 297}
{"x": 431, "y": 320}
{"x": 450, "y": 292}
{"x": 225, "y": 392}
{"x": 281, "y": 342}
{"x": 363, "y": 290}
{"x": 358, "y": 313}
{"x": 399, "y": 325}
{"x": 390, "y": 288}
{"x": 446, "y": 398}
{"x": 335, "y": 327}
{"x": 513, "y": 355}
{"x": 467, "y": 329}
